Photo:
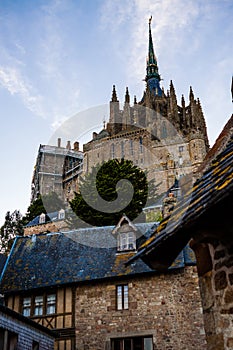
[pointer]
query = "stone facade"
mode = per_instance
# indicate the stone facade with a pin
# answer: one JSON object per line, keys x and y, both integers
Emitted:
{"x": 57, "y": 169}
{"x": 17, "y": 333}
{"x": 158, "y": 307}
{"x": 166, "y": 140}
{"x": 215, "y": 268}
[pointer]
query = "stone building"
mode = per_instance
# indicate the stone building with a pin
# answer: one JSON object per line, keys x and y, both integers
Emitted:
{"x": 205, "y": 219}
{"x": 165, "y": 139}
{"x": 158, "y": 135}
{"x": 56, "y": 170}
{"x": 76, "y": 283}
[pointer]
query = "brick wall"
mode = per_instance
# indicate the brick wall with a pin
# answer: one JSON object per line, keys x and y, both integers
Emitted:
{"x": 168, "y": 307}
{"x": 26, "y": 333}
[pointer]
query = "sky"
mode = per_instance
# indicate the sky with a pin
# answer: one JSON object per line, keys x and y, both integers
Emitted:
{"x": 60, "y": 58}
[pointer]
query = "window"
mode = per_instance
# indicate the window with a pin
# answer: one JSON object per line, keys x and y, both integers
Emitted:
{"x": 38, "y": 310}
{"x": 51, "y": 304}
{"x": 126, "y": 241}
{"x": 181, "y": 148}
{"x": 122, "y": 149}
{"x": 27, "y": 307}
{"x": 39, "y": 305}
{"x": 132, "y": 343}
{"x": 35, "y": 345}
{"x": 61, "y": 213}
{"x": 140, "y": 144}
{"x": 8, "y": 340}
{"x": 122, "y": 296}
{"x": 164, "y": 131}
{"x": 131, "y": 147}
{"x": 42, "y": 218}
{"x": 112, "y": 151}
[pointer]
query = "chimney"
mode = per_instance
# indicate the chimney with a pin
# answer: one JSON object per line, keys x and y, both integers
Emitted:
{"x": 94, "y": 135}
{"x": 76, "y": 146}
{"x": 59, "y": 142}
{"x": 68, "y": 146}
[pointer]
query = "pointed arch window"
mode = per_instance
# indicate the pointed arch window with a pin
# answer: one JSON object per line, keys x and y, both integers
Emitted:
{"x": 112, "y": 151}
{"x": 164, "y": 131}
{"x": 140, "y": 144}
{"x": 131, "y": 147}
{"x": 122, "y": 149}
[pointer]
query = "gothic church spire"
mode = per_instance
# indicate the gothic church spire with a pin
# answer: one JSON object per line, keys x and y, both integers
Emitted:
{"x": 152, "y": 73}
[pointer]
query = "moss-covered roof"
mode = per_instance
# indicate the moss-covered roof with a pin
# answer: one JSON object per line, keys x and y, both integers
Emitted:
{"x": 77, "y": 256}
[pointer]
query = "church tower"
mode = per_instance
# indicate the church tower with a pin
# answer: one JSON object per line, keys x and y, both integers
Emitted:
{"x": 165, "y": 139}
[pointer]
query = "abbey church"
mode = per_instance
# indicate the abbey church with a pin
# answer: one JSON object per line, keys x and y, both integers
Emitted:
{"x": 165, "y": 139}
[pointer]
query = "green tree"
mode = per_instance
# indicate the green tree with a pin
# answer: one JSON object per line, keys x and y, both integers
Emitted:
{"x": 103, "y": 197}
{"x": 43, "y": 204}
{"x": 12, "y": 227}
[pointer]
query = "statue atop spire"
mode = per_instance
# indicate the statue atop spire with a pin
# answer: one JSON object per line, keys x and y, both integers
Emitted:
{"x": 152, "y": 73}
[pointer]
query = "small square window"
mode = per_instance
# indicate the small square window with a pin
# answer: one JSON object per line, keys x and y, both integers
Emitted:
{"x": 181, "y": 148}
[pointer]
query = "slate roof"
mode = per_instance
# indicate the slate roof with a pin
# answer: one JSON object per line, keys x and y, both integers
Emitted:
{"x": 48, "y": 218}
{"x": 174, "y": 232}
{"x": 87, "y": 254}
{"x": 2, "y": 262}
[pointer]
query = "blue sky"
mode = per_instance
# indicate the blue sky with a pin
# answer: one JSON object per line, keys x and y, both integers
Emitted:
{"x": 58, "y": 58}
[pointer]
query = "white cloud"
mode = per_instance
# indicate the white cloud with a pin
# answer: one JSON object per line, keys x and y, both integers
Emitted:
{"x": 11, "y": 79}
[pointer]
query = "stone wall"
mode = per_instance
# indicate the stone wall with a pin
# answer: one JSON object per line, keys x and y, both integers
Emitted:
{"x": 46, "y": 227}
{"x": 163, "y": 161}
{"x": 215, "y": 268}
{"x": 26, "y": 333}
{"x": 167, "y": 307}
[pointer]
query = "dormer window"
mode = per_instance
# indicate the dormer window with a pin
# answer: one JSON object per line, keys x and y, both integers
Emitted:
{"x": 61, "y": 214}
{"x": 126, "y": 234}
{"x": 42, "y": 218}
{"x": 126, "y": 241}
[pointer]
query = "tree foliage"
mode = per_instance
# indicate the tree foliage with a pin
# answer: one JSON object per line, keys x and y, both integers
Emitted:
{"x": 43, "y": 204}
{"x": 102, "y": 188}
{"x": 12, "y": 227}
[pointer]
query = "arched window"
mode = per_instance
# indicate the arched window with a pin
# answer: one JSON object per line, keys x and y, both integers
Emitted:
{"x": 112, "y": 151}
{"x": 122, "y": 149}
{"x": 164, "y": 131}
{"x": 131, "y": 147}
{"x": 140, "y": 144}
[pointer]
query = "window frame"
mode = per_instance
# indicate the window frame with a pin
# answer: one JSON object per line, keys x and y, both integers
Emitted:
{"x": 122, "y": 297}
{"x": 119, "y": 343}
{"x": 29, "y": 307}
{"x": 39, "y": 308}
{"x": 52, "y": 304}
{"x": 126, "y": 241}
